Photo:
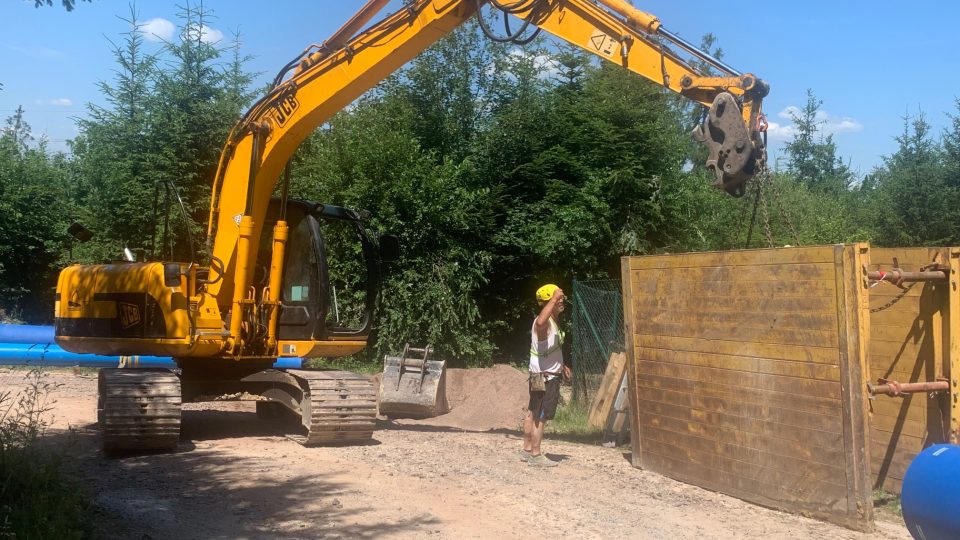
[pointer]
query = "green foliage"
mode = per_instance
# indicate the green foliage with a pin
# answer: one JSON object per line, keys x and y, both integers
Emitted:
{"x": 159, "y": 135}
{"x": 887, "y": 505}
{"x": 571, "y": 424}
{"x": 39, "y": 498}
{"x": 813, "y": 155}
{"x": 32, "y": 197}
{"x": 368, "y": 159}
{"x": 913, "y": 194}
{"x": 67, "y": 4}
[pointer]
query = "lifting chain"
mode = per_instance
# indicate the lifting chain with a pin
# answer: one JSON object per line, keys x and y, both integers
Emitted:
{"x": 778, "y": 198}
{"x": 895, "y": 299}
{"x": 764, "y": 180}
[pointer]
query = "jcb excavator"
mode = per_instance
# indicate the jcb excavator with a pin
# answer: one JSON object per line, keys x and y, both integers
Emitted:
{"x": 257, "y": 299}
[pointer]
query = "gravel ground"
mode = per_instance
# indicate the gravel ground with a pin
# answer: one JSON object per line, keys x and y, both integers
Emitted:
{"x": 234, "y": 476}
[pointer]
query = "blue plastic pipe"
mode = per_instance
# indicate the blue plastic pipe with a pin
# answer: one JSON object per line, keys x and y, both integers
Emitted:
{"x": 930, "y": 497}
{"x": 25, "y": 333}
{"x": 42, "y": 354}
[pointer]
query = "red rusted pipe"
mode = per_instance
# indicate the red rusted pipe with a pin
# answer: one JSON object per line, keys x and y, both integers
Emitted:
{"x": 893, "y": 388}
{"x": 896, "y": 276}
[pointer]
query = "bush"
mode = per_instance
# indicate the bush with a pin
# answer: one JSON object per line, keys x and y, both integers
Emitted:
{"x": 40, "y": 499}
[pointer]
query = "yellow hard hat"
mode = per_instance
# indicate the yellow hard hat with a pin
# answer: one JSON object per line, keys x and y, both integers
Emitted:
{"x": 545, "y": 293}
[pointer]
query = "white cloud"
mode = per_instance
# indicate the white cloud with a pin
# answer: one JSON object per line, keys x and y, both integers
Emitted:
{"x": 207, "y": 34}
{"x": 776, "y": 130}
{"x": 827, "y": 123}
{"x": 210, "y": 35}
{"x": 56, "y": 102}
{"x": 157, "y": 29}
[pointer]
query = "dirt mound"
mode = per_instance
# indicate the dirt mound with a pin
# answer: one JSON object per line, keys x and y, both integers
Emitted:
{"x": 482, "y": 399}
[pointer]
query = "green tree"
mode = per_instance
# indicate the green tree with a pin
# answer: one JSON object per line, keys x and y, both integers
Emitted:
{"x": 915, "y": 204}
{"x": 32, "y": 221}
{"x": 812, "y": 155}
{"x": 160, "y": 135}
{"x": 112, "y": 188}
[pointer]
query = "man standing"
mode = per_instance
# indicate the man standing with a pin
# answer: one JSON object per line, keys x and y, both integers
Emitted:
{"x": 546, "y": 368}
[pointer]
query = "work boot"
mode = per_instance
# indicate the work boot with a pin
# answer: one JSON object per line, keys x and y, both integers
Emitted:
{"x": 541, "y": 461}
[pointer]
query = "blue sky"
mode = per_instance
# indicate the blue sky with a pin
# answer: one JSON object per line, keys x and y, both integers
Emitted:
{"x": 871, "y": 63}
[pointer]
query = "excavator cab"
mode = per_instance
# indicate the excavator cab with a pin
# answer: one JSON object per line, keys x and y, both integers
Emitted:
{"x": 331, "y": 271}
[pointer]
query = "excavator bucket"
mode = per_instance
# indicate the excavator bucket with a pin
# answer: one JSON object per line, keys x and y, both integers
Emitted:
{"x": 413, "y": 385}
{"x": 734, "y": 152}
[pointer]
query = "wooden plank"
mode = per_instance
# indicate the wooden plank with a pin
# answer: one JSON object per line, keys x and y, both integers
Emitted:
{"x": 854, "y": 333}
{"x": 753, "y": 432}
{"x": 630, "y": 314}
{"x": 891, "y": 458}
{"x": 746, "y": 257}
{"x": 603, "y": 400}
{"x": 705, "y": 451}
{"x": 952, "y": 367}
{"x": 807, "y": 495}
{"x": 702, "y": 405}
{"x": 920, "y": 329}
{"x": 908, "y": 344}
{"x": 724, "y": 303}
{"x": 915, "y": 406}
{"x": 910, "y": 259}
{"x": 741, "y": 381}
{"x": 819, "y": 321}
{"x": 901, "y": 442}
{"x": 756, "y": 289}
{"x": 920, "y": 372}
{"x": 760, "y": 396}
{"x": 819, "y": 355}
{"x": 750, "y": 364}
{"x": 743, "y": 333}
{"x": 742, "y": 273}
{"x": 739, "y": 378}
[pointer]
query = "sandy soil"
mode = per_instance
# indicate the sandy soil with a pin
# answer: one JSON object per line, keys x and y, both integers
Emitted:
{"x": 234, "y": 476}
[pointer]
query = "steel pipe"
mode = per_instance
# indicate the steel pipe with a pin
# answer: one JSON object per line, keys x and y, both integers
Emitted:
{"x": 897, "y": 276}
{"x": 893, "y": 388}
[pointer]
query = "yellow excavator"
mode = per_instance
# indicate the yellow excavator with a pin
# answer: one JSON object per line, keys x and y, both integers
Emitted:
{"x": 263, "y": 298}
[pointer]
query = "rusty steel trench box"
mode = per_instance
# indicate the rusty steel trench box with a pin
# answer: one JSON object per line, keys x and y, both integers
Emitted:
{"x": 750, "y": 372}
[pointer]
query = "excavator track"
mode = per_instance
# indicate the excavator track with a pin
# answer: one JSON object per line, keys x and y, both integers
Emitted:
{"x": 338, "y": 407}
{"x": 139, "y": 409}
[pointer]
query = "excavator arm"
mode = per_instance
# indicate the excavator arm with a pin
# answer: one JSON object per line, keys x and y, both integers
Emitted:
{"x": 327, "y": 77}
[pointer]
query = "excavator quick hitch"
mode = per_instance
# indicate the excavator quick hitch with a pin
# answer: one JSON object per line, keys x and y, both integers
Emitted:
{"x": 734, "y": 155}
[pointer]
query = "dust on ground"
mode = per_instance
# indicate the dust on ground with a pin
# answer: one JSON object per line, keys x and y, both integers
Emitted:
{"x": 454, "y": 476}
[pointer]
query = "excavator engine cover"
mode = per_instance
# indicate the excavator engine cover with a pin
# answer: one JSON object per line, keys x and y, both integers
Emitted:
{"x": 733, "y": 155}
{"x": 413, "y": 387}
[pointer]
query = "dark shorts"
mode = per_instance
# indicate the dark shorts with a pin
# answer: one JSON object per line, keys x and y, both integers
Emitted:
{"x": 544, "y": 404}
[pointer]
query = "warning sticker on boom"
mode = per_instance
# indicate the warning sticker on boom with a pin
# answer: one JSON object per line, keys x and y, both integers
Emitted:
{"x": 602, "y": 43}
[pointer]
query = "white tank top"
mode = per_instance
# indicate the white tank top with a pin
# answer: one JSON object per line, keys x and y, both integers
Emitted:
{"x": 546, "y": 355}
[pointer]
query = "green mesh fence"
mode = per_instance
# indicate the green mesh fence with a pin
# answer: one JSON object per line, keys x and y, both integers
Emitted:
{"x": 597, "y": 331}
